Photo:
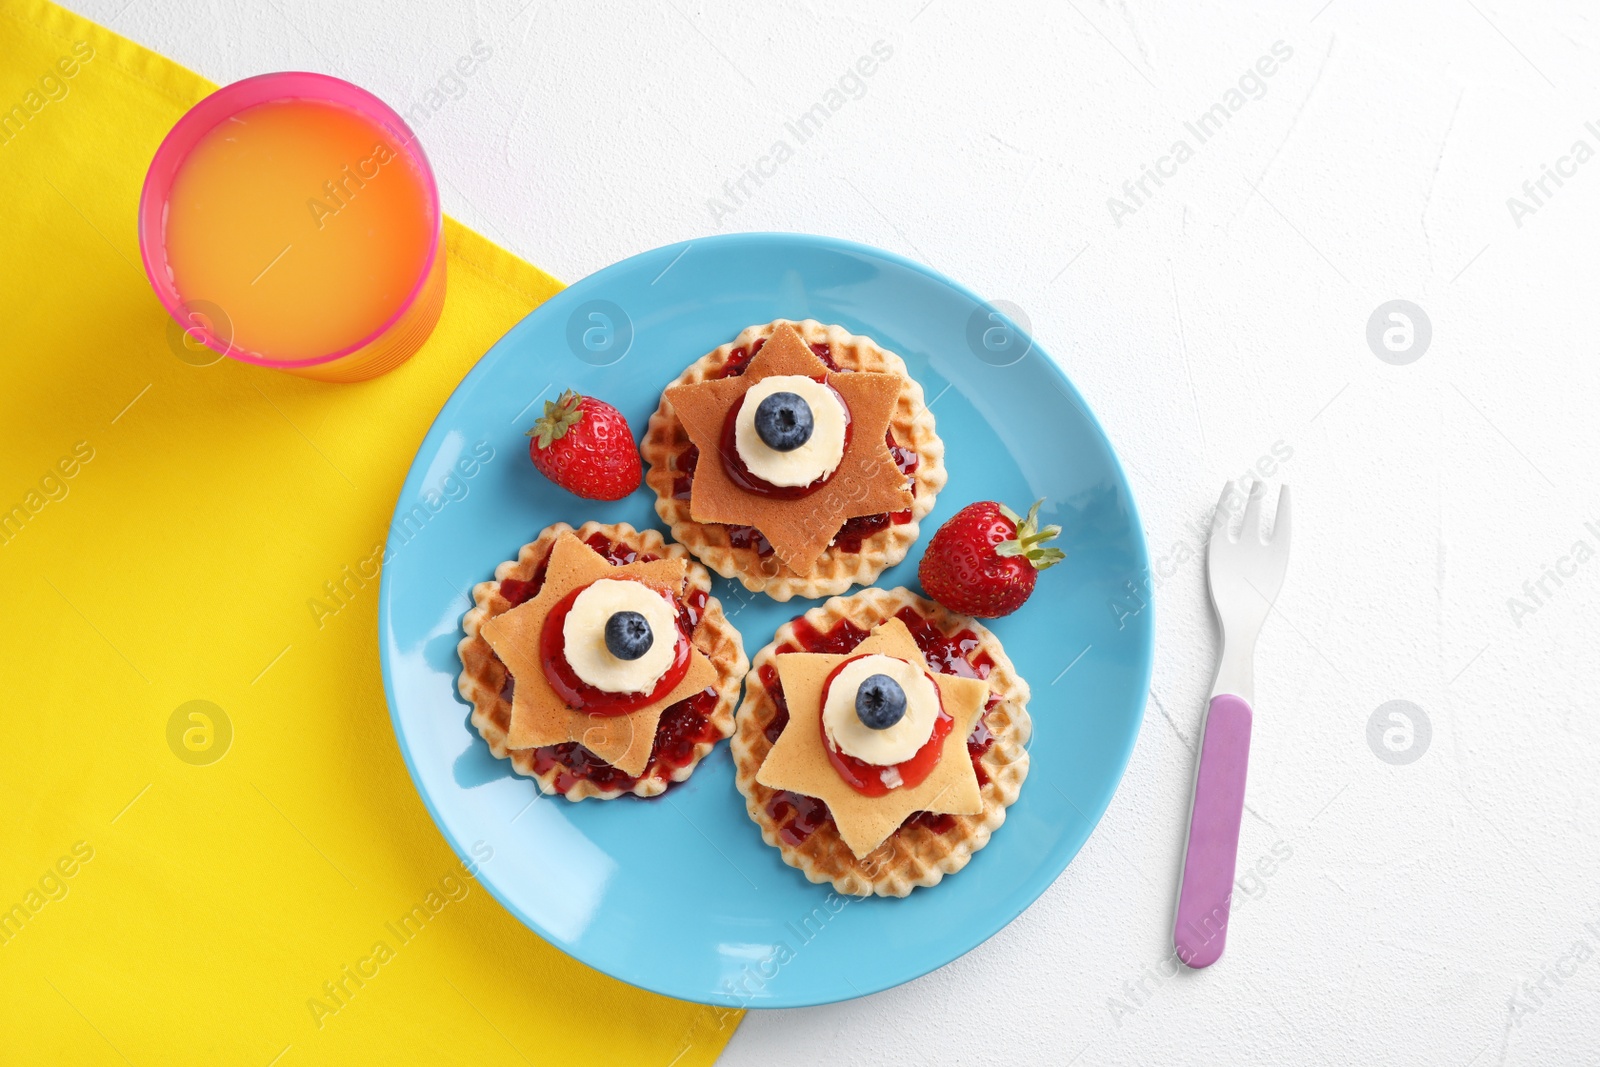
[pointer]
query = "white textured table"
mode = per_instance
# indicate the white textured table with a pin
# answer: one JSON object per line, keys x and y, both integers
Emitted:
{"x": 1442, "y": 910}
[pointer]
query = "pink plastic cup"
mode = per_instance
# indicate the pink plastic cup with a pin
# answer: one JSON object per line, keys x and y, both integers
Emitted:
{"x": 385, "y": 348}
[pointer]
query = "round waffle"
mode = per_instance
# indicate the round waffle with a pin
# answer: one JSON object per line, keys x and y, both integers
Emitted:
{"x": 483, "y": 679}
{"x": 836, "y": 570}
{"x": 921, "y": 852}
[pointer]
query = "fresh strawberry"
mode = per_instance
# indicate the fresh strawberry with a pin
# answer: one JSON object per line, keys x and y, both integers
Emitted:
{"x": 985, "y": 560}
{"x": 584, "y": 445}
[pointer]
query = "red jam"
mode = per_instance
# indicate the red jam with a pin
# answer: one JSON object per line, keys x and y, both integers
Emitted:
{"x": 520, "y": 592}
{"x": 957, "y": 654}
{"x": 693, "y": 609}
{"x": 739, "y": 359}
{"x": 738, "y": 536}
{"x": 683, "y": 725}
{"x": 937, "y": 821}
{"x": 578, "y": 694}
{"x": 855, "y": 531}
{"x": 769, "y": 681}
{"x": 867, "y": 778}
{"x": 683, "y": 481}
{"x": 798, "y": 816}
{"x": 842, "y": 638}
{"x": 751, "y": 538}
{"x": 616, "y": 553}
{"x": 742, "y": 476}
{"x": 980, "y": 741}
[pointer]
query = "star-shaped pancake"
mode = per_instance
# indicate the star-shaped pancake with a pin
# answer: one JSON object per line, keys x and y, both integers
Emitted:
{"x": 799, "y": 762}
{"x": 866, "y": 482}
{"x": 538, "y": 716}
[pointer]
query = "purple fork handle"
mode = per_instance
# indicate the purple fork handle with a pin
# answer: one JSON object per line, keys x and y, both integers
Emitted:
{"x": 1206, "y": 892}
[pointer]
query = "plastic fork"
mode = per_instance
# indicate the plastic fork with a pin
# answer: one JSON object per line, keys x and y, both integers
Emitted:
{"x": 1244, "y": 576}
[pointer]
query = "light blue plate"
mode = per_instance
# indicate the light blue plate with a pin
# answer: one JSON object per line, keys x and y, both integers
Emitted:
{"x": 679, "y": 894}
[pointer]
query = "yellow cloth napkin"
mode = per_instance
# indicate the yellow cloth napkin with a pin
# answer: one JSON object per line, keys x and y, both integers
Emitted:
{"x": 163, "y": 528}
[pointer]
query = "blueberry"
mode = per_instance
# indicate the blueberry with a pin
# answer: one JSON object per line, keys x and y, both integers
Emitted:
{"x": 628, "y": 635}
{"x": 783, "y": 422}
{"x": 880, "y": 702}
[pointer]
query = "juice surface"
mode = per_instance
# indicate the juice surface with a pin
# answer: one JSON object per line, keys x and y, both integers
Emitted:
{"x": 304, "y": 222}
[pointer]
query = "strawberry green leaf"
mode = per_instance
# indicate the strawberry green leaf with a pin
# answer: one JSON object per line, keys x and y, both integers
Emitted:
{"x": 559, "y": 416}
{"x": 1031, "y": 538}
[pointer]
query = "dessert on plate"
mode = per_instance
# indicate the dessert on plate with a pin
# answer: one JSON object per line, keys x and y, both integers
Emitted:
{"x": 798, "y": 458}
{"x": 598, "y": 662}
{"x": 880, "y": 741}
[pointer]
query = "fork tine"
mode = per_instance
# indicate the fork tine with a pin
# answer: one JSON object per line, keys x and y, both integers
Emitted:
{"x": 1280, "y": 524}
{"x": 1219, "y": 519}
{"x": 1251, "y": 527}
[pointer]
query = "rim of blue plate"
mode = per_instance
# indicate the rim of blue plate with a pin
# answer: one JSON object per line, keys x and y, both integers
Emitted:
{"x": 995, "y": 922}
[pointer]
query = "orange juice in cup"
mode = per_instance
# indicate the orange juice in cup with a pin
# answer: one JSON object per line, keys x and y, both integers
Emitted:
{"x": 291, "y": 221}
